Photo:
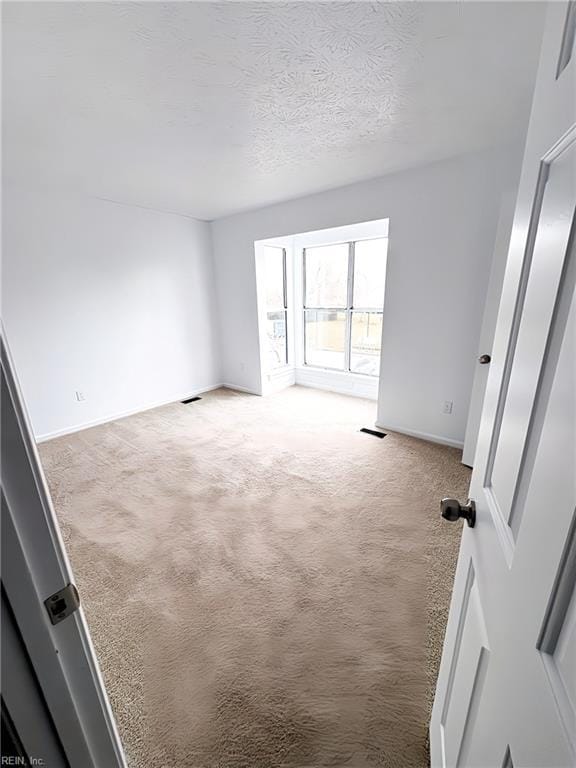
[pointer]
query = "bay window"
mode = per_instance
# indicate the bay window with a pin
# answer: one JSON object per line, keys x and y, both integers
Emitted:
{"x": 343, "y": 301}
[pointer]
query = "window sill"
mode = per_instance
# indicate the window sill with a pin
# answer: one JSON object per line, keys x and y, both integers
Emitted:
{"x": 336, "y": 372}
{"x": 280, "y": 371}
{"x": 355, "y": 384}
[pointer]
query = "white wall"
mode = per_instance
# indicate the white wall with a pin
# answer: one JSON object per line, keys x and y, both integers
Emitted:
{"x": 112, "y": 300}
{"x": 443, "y": 221}
{"x": 120, "y": 302}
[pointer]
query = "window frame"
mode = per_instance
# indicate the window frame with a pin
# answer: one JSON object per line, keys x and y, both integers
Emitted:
{"x": 349, "y": 309}
{"x": 284, "y": 309}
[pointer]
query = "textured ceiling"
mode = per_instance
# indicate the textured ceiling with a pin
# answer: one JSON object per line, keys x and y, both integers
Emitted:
{"x": 210, "y": 108}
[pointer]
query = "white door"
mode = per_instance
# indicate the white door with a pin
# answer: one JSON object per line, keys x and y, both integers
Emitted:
{"x": 506, "y": 692}
{"x": 56, "y": 699}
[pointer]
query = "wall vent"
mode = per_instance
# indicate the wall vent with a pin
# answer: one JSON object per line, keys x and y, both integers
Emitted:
{"x": 373, "y": 432}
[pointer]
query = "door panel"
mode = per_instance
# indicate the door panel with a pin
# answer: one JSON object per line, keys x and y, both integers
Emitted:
{"x": 557, "y": 638}
{"x": 545, "y": 269}
{"x": 561, "y": 666}
{"x": 467, "y": 673}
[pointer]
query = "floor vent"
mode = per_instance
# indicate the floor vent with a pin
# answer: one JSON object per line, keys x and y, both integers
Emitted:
{"x": 190, "y": 400}
{"x": 373, "y": 432}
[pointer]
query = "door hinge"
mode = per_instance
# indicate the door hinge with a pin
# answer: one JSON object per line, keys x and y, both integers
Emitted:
{"x": 62, "y": 603}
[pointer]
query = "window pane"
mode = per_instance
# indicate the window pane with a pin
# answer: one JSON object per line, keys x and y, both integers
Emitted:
{"x": 370, "y": 272}
{"x": 276, "y": 335}
{"x": 274, "y": 277}
{"x": 366, "y": 343}
{"x": 327, "y": 276}
{"x": 325, "y": 334}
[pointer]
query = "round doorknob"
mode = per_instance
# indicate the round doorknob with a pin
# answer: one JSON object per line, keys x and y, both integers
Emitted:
{"x": 484, "y": 359}
{"x": 452, "y": 510}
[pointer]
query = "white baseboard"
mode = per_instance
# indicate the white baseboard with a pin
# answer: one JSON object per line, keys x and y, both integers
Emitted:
{"x": 235, "y": 387}
{"x": 422, "y": 435}
{"x": 124, "y": 414}
{"x": 240, "y": 389}
{"x": 277, "y": 380}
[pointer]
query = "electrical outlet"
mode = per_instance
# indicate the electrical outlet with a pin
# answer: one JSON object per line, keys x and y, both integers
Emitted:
{"x": 242, "y": 367}
{"x": 80, "y": 396}
{"x": 447, "y": 407}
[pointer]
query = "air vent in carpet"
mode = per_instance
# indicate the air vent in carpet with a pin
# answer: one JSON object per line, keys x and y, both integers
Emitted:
{"x": 373, "y": 432}
{"x": 190, "y": 400}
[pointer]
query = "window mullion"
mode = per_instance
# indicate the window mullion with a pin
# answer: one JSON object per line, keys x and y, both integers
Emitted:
{"x": 284, "y": 277}
{"x": 304, "y": 306}
{"x": 350, "y": 300}
{"x": 286, "y": 331}
{"x": 304, "y": 277}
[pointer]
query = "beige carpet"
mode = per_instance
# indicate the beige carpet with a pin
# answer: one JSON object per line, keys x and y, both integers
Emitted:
{"x": 265, "y": 585}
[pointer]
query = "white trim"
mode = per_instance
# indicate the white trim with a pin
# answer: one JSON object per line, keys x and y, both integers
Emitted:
{"x": 360, "y": 230}
{"x": 353, "y": 384}
{"x": 422, "y": 435}
{"x": 123, "y": 414}
{"x": 343, "y": 383}
{"x": 262, "y": 310}
{"x": 364, "y": 230}
{"x": 238, "y": 388}
{"x": 280, "y": 372}
{"x": 278, "y": 379}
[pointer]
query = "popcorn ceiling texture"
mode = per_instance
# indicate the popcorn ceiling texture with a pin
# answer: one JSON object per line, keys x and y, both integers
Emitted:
{"x": 320, "y": 79}
{"x": 209, "y": 108}
{"x": 265, "y": 586}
